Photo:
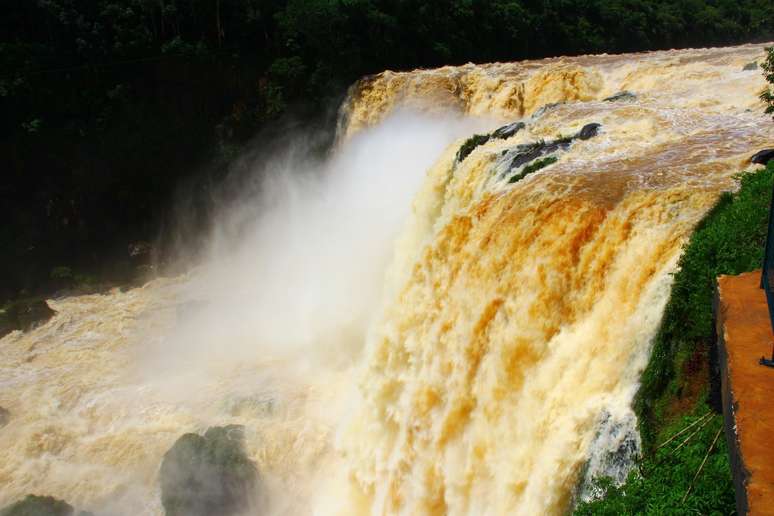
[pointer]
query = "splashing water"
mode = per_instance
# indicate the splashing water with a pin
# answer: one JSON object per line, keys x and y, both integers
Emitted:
{"x": 472, "y": 355}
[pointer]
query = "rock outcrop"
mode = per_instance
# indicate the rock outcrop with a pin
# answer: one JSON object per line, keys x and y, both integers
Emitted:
{"x": 763, "y": 157}
{"x": 209, "y": 474}
{"x": 25, "y": 315}
{"x": 621, "y": 96}
{"x": 38, "y": 506}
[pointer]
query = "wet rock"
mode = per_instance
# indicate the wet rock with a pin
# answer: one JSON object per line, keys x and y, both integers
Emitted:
{"x": 25, "y": 315}
{"x": 613, "y": 453}
{"x": 7, "y": 324}
{"x": 509, "y": 130}
{"x": 763, "y": 157}
{"x": 38, "y": 506}
{"x": 30, "y": 314}
{"x": 589, "y": 131}
{"x": 621, "y": 96}
{"x": 533, "y": 167}
{"x": 470, "y": 145}
{"x": 524, "y": 154}
{"x": 528, "y": 155}
{"x": 209, "y": 474}
{"x": 545, "y": 109}
{"x": 5, "y": 417}
{"x": 750, "y": 67}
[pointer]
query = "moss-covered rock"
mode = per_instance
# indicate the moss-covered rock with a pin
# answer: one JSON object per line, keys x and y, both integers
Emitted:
{"x": 476, "y": 140}
{"x": 209, "y": 474}
{"x": 509, "y": 130}
{"x": 38, "y": 506}
{"x": 470, "y": 145}
{"x": 621, "y": 96}
{"x": 533, "y": 167}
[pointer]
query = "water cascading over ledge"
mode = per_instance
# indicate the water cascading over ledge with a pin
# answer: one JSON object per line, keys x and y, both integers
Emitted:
{"x": 520, "y": 299}
{"x": 521, "y": 313}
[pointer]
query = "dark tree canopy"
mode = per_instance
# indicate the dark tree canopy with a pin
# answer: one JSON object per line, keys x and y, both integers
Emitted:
{"x": 107, "y": 104}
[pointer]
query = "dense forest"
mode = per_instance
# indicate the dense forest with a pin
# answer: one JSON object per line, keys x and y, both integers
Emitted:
{"x": 107, "y": 104}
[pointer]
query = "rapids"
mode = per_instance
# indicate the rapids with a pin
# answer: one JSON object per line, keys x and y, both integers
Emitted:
{"x": 473, "y": 351}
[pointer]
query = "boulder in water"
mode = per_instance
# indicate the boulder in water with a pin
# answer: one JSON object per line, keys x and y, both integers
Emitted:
{"x": 30, "y": 314}
{"x": 589, "y": 131}
{"x": 209, "y": 474}
{"x": 750, "y": 67}
{"x": 509, "y": 130}
{"x": 470, "y": 145}
{"x": 621, "y": 96}
{"x": 5, "y": 417}
{"x": 25, "y": 315}
{"x": 763, "y": 157}
{"x": 38, "y": 506}
{"x": 526, "y": 156}
{"x": 542, "y": 110}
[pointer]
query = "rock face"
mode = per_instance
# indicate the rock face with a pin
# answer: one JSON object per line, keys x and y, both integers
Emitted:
{"x": 763, "y": 157}
{"x": 621, "y": 96}
{"x": 25, "y": 315}
{"x": 509, "y": 130}
{"x": 38, "y": 506}
{"x": 207, "y": 475}
{"x": 470, "y": 145}
{"x": 589, "y": 131}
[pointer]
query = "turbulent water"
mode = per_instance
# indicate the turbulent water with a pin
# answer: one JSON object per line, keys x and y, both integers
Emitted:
{"x": 401, "y": 331}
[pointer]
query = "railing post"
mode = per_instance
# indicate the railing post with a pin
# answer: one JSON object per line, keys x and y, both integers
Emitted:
{"x": 767, "y": 276}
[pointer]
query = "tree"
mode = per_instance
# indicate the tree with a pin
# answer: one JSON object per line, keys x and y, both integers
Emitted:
{"x": 767, "y": 95}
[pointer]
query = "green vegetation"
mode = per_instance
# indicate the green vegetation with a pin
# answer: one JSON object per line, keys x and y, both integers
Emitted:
{"x": 470, "y": 145}
{"x": 533, "y": 167}
{"x": 109, "y": 104}
{"x": 660, "y": 484}
{"x": 767, "y": 95}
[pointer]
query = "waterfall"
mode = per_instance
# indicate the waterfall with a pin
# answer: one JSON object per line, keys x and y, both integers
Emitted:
{"x": 426, "y": 323}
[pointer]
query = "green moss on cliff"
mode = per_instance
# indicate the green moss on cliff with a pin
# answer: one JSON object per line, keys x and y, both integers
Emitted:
{"x": 533, "y": 167}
